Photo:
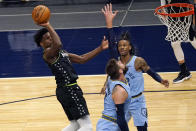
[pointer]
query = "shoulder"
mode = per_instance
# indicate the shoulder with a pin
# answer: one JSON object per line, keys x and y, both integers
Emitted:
{"x": 48, "y": 57}
{"x": 119, "y": 88}
{"x": 140, "y": 64}
{"x": 119, "y": 94}
{"x": 139, "y": 61}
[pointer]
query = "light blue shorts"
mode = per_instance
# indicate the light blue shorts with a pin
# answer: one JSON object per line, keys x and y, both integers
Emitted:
{"x": 138, "y": 110}
{"x": 106, "y": 125}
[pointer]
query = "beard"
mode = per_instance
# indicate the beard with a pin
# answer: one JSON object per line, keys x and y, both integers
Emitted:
{"x": 125, "y": 70}
{"x": 124, "y": 54}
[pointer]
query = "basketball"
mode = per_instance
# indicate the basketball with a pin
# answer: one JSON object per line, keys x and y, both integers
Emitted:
{"x": 41, "y": 14}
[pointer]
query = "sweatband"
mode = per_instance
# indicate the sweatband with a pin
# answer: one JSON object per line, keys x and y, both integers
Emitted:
{"x": 154, "y": 75}
{"x": 121, "y": 117}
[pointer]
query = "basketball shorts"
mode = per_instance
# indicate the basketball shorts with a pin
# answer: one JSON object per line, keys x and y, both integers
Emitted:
{"x": 106, "y": 125}
{"x": 72, "y": 101}
{"x": 137, "y": 110}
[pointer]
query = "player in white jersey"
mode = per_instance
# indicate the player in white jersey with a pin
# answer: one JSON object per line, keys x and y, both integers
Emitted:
{"x": 116, "y": 101}
{"x": 176, "y": 45}
{"x": 135, "y": 65}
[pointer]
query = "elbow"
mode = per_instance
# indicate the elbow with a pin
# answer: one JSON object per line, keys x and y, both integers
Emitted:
{"x": 146, "y": 69}
{"x": 59, "y": 45}
{"x": 82, "y": 60}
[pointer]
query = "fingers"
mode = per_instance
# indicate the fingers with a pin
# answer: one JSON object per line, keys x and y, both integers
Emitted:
{"x": 102, "y": 91}
{"x": 108, "y": 9}
{"x": 166, "y": 83}
{"x": 103, "y": 11}
{"x": 110, "y": 6}
{"x": 105, "y": 7}
{"x": 115, "y": 12}
{"x": 104, "y": 38}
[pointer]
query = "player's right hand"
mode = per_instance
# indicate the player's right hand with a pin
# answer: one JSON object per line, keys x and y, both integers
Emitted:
{"x": 165, "y": 83}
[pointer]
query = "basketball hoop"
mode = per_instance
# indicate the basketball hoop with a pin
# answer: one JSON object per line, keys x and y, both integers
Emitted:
{"x": 177, "y": 17}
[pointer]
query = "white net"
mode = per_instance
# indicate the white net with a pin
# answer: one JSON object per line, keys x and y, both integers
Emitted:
{"x": 178, "y": 27}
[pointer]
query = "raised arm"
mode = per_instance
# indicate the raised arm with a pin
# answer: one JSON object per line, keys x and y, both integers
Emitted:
{"x": 86, "y": 57}
{"x": 119, "y": 95}
{"x": 141, "y": 65}
{"x": 52, "y": 52}
{"x": 109, "y": 17}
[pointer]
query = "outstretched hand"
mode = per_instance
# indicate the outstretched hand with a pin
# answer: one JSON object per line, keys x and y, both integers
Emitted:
{"x": 109, "y": 15}
{"x": 104, "y": 43}
{"x": 165, "y": 83}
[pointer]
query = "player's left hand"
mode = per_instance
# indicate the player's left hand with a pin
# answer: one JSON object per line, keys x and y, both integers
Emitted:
{"x": 104, "y": 43}
{"x": 165, "y": 83}
{"x": 103, "y": 90}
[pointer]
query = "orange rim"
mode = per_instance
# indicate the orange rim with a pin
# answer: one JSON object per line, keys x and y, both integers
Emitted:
{"x": 187, "y": 13}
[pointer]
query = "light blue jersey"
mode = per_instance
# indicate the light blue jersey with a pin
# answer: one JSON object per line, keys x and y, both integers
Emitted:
{"x": 137, "y": 106}
{"x": 109, "y": 115}
{"x": 134, "y": 78}
{"x": 109, "y": 105}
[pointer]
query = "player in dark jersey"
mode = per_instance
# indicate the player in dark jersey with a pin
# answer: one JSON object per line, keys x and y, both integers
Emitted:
{"x": 68, "y": 93}
{"x": 176, "y": 45}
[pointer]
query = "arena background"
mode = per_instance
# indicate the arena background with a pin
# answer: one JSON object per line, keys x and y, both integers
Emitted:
{"x": 81, "y": 27}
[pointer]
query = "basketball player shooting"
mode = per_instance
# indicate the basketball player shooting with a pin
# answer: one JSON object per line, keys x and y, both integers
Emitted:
{"x": 184, "y": 73}
{"x": 68, "y": 92}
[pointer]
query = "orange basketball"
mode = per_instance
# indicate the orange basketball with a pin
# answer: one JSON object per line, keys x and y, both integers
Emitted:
{"x": 41, "y": 14}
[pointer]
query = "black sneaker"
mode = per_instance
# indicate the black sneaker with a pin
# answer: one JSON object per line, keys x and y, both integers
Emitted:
{"x": 181, "y": 77}
{"x": 188, "y": 75}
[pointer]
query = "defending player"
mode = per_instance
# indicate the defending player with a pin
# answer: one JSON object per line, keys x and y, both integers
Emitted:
{"x": 136, "y": 65}
{"x": 68, "y": 93}
{"x": 116, "y": 99}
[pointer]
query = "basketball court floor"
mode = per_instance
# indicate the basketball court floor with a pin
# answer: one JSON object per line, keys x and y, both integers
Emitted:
{"x": 30, "y": 104}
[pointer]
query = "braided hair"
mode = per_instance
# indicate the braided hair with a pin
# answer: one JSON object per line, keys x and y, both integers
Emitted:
{"x": 126, "y": 36}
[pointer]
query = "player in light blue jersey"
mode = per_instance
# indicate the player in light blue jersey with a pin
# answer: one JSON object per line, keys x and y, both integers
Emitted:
{"x": 136, "y": 65}
{"x": 116, "y": 99}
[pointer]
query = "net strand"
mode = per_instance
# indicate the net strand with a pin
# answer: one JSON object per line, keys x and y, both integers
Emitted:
{"x": 178, "y": 27}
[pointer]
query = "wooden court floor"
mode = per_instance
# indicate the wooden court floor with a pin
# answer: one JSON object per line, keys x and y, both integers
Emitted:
{"x": 30, "y": 104}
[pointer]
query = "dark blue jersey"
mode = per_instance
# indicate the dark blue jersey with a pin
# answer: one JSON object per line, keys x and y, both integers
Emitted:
{"x": 63, "y": 70}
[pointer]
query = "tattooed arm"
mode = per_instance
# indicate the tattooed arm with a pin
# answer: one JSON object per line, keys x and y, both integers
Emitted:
{"x": 141, "y": 65}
